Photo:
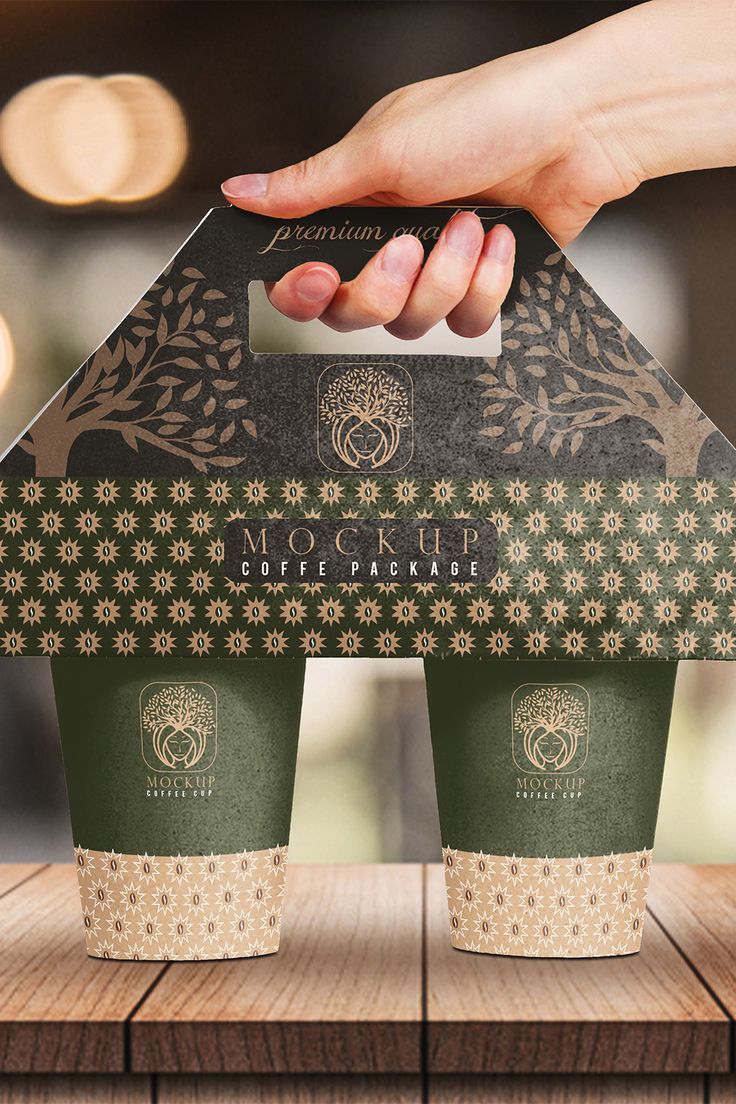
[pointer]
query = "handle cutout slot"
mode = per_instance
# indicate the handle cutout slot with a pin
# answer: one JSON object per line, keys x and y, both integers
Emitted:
{"x": 271, "y": 332}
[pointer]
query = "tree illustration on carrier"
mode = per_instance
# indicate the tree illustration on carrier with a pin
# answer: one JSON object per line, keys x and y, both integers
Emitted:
{"x": 583, "y": 371}
{"x": 366, "y": 408}
{"x": 179, "y": 720}
{"x": 167, "y": 378}
{"x": 551, "y": 721}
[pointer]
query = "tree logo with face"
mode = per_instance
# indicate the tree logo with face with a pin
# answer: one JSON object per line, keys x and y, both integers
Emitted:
{"x": 178, "y": 726}
{"x": 364, "y": 417}
{"x": 550, "y": 728}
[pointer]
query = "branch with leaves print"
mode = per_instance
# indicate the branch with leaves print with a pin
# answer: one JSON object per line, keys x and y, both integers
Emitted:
{"x": 167, "y": 378}
{"x": 578, "y": 373}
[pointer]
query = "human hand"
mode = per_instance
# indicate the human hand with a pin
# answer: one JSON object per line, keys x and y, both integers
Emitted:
{"x": 560, "y": 129}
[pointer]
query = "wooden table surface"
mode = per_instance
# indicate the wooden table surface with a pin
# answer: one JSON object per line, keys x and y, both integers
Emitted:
{"x": 366, "y": 1001}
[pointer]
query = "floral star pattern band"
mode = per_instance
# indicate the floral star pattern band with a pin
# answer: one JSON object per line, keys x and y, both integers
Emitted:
{"x": 604, "y": 568}
{"x": 579, "y": 907}
{"x": 177, "y": 907}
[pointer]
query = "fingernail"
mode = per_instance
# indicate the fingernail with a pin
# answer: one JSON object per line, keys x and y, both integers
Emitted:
{"x": 316, "y": 285}
{"x": 250, "y": 186}
{"x": 401, "y": 258}
{"x": 499, "y": 245}
{"x": 464, "y": 235}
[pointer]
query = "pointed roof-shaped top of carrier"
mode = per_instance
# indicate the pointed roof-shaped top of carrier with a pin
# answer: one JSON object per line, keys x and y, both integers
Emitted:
{"x": 174, "y": 429}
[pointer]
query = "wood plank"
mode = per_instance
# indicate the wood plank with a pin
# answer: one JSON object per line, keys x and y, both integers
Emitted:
{"x": 644, "y": 1013}
{"x": 60, "y": 1011}
{"x": 12, "y": 874}
{"x": 280, "y": 1088}
{"x": 342, "y": 995}
{"x": 696, "y": 905}
{"x": 75, "y": 1089}
{"x": 722, "y": 1089}
{"x": 567, "y": 1089}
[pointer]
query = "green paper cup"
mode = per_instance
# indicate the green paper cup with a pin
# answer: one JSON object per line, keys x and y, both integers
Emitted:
{"x": 180, "y": 775}
{"x": 548, "y": 778}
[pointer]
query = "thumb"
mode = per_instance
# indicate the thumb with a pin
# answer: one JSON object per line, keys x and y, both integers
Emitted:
{"x": 340, "y": 174}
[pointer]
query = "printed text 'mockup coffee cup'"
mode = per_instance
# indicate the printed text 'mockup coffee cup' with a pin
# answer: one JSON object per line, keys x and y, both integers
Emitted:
{"x": 180, "y": 776}
{"x": 548, "y": 779}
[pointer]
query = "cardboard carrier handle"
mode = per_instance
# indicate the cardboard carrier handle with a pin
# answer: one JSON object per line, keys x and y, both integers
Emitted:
{"x": 347, "y": 237}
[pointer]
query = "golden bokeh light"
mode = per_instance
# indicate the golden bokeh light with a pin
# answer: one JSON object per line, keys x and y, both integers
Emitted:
{"x": 7, "y": 354}
{"x": 93, "y": 138}
{"x": 75, "y": 140}
{"x": 160, "y": 137}
{"x": 28, "y": 141}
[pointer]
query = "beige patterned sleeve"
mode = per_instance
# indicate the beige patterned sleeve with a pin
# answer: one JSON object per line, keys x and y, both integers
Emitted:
{"x": 177, "y": 907}
{"x": 580, "y": 907}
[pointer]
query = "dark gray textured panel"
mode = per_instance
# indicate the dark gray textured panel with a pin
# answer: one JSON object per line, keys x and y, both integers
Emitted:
{"x": 176, "y": 391}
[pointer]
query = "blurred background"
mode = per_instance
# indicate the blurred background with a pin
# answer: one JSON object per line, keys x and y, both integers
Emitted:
{"x": 109, "y": 164}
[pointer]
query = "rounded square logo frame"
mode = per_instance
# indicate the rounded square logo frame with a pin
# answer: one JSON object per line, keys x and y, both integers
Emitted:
{"x": 550, "y": 726}
{"x": 178, "y": 726}
{"x": 365, "y": 417}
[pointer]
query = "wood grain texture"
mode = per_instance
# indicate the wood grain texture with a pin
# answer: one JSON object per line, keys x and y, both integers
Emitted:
{"x": 722, "y": 1088}
{"x": 60, "y": 1011}
{"x": 11, "y": 874}
{"x": 342, "y": 995}
{"x": 75, "y": 1089}
{"x": 646, "y": 1013}
{"x": 571, "y": 1089}
{"x": 279, "y": 1088}
{"x": 697, "y": 907}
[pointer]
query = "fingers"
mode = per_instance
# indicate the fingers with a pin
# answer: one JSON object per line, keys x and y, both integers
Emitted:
{"x": 445, "y": 279}
{"x": 344, "y": 172}
{"x": 374, "y": 297}
{"x": 380, "y": 290}
{"x": 305, "y": 292}
{"x": 465, "y": 280}
{"x": 490, "y": 285}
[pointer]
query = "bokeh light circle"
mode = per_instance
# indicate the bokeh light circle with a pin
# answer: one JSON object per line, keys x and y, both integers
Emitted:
{"x": 7, "y": 353}
{"x": 27, "y": 126}
{"x": 93, "y": 138}
{"x": 160, "y": 135}
{"x": 75, "y": 139}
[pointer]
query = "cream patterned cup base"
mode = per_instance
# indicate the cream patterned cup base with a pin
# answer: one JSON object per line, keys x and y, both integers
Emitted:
{"x": 181, "y": 908}
{"x": 580, "y": 907}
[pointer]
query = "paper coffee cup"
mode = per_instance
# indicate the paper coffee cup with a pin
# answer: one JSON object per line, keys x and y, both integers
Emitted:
{"x": 180, "y": 774}
{"x": 548, "y": 778}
